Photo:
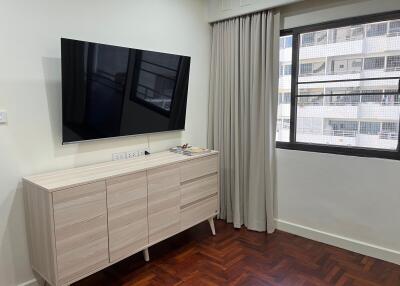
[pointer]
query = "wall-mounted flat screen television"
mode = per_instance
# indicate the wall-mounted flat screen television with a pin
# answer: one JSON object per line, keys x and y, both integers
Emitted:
{"x": 110, "y": 91}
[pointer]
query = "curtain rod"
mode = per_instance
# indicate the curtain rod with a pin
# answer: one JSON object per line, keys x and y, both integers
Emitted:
{"x": 242, "y": 14}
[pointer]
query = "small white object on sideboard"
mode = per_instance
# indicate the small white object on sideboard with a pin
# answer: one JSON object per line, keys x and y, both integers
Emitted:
{"x": 84, "y": 219}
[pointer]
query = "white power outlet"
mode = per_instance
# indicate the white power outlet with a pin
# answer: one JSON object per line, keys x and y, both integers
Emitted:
{"x": 119, "y": 156}
{"x": 132, "y": 154}
{"x": 3, "y": 116}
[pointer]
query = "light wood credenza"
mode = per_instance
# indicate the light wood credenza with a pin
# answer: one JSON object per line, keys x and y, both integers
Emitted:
{"x": 84, "y": 219}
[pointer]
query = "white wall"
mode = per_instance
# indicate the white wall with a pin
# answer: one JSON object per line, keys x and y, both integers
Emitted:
{"x": 352, "y": 202}
{"x": 222, "y": 9}
{"x": 30, "y": 91}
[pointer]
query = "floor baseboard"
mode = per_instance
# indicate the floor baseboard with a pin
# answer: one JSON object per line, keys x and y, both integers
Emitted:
{"x": 340, "y": 241}
{"x": 32, "y": 282}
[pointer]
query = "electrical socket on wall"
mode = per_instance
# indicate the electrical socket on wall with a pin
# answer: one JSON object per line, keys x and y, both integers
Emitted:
{"x": 130, "y": 154}
{"x": 3, "y": 116}
{"x": 119, "y": 156}
{"x": 136, "y": 153}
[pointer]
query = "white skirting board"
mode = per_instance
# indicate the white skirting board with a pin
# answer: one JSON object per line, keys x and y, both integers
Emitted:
{"x": 340, "y": 241}
{"x": 32, "y": 282}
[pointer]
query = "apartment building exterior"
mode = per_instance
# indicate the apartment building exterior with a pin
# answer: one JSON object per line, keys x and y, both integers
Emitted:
{"x": 348, "y": 84}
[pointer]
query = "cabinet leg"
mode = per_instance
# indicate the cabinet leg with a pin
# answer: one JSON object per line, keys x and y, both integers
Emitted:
{"x": 146, "y": 255}
{"x": 212, "y": 226}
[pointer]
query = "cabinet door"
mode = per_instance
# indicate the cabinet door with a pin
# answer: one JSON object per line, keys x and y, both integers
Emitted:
{"x": 163, "y": 202}
{"x": 127, "y": 215}
{"x": 80, "y": 223}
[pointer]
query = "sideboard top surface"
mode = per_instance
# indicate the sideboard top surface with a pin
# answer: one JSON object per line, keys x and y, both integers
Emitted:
{"x": 67, "y": 178}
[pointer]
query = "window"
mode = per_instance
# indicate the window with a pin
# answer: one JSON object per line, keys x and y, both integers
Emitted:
{"x": 346, "y": 34}
{"x": 286, "y": 42}
{"x": 288, "y": 70}
{"x": 285, "y": 70}
{"x": 342, "y": 99}
{"x": 284, "y": 92}
{"x": 377, "y": 29}
{"x": 307, "y": 39}
{"x": 312, "y": 68}
{"x": 284, "y": 98}
{"x": 341, "y": 128}
{"x": 306, "y": 69}
{"x": 372, "y": 96}
{"x": 374, "y": 63}
{"x": 394, "y": 28}
{"x": 314, "y": 38}
{"x": 389, "y": 130}
{"x": 393, "y": 63}
{"x": 370, "y": 128}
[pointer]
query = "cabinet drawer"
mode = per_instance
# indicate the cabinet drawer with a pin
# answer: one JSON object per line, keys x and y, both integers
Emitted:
{"x": 127, "y": 215}
{"x": 198, "y": 212}
{"x": 163, "y": 202}
{"x": 80, "y": 223}
{"x": 199, "y": 167}
{"x": 193, "y": 191}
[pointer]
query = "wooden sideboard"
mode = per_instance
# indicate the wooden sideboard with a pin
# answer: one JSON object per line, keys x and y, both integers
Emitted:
{"x": 84, "y": 219}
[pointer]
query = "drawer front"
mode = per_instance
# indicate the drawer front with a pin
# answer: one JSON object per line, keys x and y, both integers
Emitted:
{"x": 163, "y": 202}
{"x": 198, "y": 212}
{"x": 196, "y": 190}
{"x": 196, "y": 168}
{"x": 127, "y": 215}
{"x": 80, "y": 222}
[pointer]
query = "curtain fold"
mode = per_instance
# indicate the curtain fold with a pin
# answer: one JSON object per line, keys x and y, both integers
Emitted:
{"x": 242, "y": 117}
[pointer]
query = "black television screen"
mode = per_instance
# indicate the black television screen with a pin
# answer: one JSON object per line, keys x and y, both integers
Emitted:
{"x": 110, "y": 91}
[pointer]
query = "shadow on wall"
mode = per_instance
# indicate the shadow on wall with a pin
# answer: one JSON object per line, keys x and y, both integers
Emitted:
{"x": 13, "y": 241}
{"x": 52, "y": 77}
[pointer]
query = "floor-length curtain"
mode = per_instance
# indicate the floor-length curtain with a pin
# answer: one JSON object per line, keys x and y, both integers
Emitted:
{"x": 242, "y": 116}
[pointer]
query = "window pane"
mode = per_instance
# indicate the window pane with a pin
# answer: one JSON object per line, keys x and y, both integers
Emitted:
{"x": 378, "y": 29}
{"x": 393, "y": 62}
{"x": 394, "y": 27}
{"x": 370, "y": 128}
{"x": 314, "y": 38}
{"x": 374, "y": 63}
{"x": 283, "y": 118}
{"x": 335, "y": 107}
{"x": 309, "y": 69}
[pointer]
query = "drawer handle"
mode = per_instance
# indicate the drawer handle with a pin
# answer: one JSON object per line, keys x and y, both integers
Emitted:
{"x": 198, "y": 178}
{"x": 199, "y": 200}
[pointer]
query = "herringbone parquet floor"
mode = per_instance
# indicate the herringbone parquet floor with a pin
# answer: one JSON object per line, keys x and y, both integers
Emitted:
{"x": 240, "y": 257}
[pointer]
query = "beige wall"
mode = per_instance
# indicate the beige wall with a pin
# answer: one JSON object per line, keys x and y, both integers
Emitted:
{"x": 30, "y": 91}
{"x": 349, "y": 201}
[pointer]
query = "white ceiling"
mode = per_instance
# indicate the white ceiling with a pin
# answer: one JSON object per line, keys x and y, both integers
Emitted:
{"x": 223, "y": 9}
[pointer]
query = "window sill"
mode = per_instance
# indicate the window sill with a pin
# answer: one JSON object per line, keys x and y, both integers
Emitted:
{"x": 341, "y": 150}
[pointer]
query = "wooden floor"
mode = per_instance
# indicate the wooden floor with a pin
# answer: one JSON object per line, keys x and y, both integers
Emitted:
{"x": 240, "y": 257}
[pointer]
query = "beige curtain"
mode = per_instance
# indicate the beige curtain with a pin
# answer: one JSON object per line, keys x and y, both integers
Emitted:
{"x": 242, "y": 116}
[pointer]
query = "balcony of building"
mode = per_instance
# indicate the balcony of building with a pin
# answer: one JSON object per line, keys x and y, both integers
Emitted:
{"x": 359, "y": 110}
{"x": 373, "y": 38}
{"x": 348, "y": 138}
